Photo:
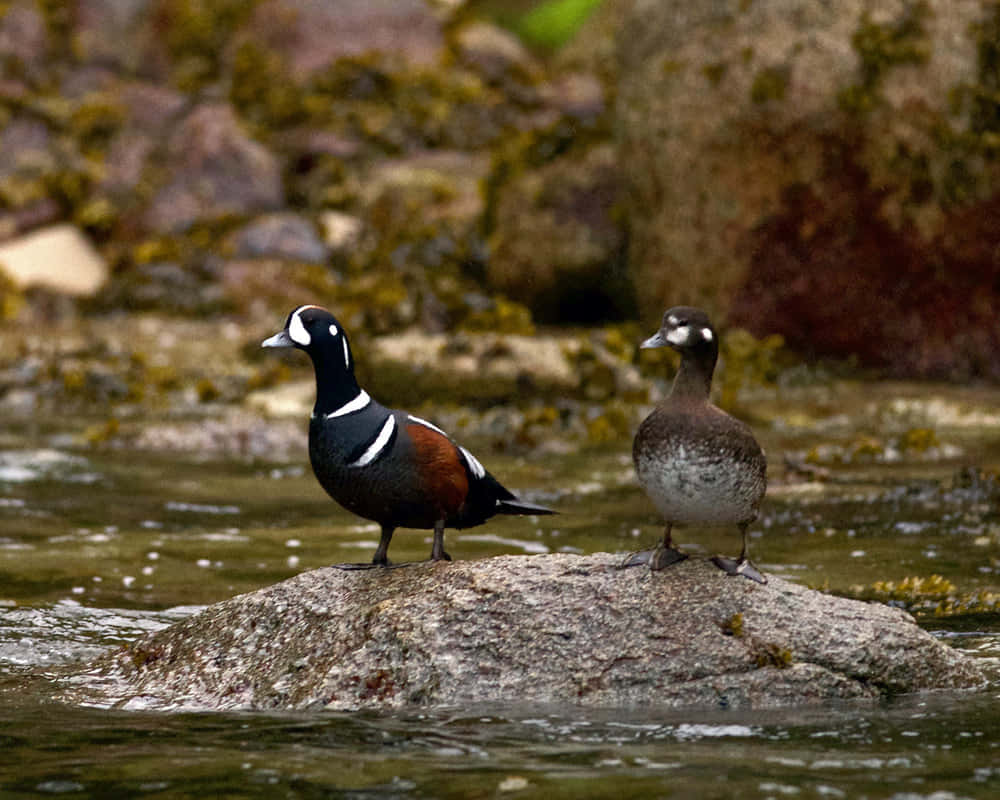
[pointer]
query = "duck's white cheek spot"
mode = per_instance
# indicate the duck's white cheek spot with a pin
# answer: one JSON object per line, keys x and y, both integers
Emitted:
{"x": 706, "y": 334}
{"x": 333, "y": 330}
{"x": 297, "y": 331}
{"x": 679, "y": 336}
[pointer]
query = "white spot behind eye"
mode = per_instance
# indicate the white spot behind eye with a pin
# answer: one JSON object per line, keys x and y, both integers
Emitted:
{"x": 333, "y": 330}
{"x": 679, "y": 335}
{"x": 672, "y": 320}
{"x": 707, "y": 334}
{"x": 297, "y": 331}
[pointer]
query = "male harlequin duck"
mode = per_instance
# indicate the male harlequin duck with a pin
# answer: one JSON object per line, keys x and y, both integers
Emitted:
{"x": 384, "y": 465}
{"x": 699, "y": 465}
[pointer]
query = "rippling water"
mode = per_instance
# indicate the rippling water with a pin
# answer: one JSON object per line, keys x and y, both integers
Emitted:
{"x": 97, "y": 548}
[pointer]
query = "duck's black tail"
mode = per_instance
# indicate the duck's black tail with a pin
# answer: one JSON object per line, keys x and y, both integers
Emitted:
{"x": 517, "y": 506}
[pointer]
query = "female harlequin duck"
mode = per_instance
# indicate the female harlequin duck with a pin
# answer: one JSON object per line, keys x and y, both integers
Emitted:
{"x": 699, "y": 465}
{"x": 385, "y": 465}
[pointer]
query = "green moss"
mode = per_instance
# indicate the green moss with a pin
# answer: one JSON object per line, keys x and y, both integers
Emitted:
{"x": 881, "y": 47}
{"x": 746, "y": 361}
{"x": 919, "y": 440}
{"x": 504, "y": 316}
{"x": 94, "y": 121}
{"x": 11, "y": 297}
{"x": 613, "y": 424}
{"x": 101, "y": 433}
{"x": 715, "y": 72}
{"x": 772, "y": 655}
{"x": 552, "y": 23}
{"x": 207, "y": 390}
{"x": 196, "y": 34}
{"x": 262, "y": 89}
{"x": 913, "y": 588}
{"x": 733, "y": 626}
{"x": 770, "y": 83}
{"x": 985, "y": 111}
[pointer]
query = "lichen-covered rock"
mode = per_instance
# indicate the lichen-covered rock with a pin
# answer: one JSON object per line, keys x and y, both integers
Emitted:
{"x": 795, "y": 166}
{"x": 557, "y": 243}
{"x": 527, "y": 629}
{"x": 24, "y": 40}
{"x": 494, "y": 53}
{"x": 311, "y": 36}
{"x": 214, "y": 169}
{"x": 281, "y": 235}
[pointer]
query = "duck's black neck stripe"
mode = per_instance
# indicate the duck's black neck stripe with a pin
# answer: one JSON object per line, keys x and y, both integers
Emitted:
{"x": 376, "y": 447}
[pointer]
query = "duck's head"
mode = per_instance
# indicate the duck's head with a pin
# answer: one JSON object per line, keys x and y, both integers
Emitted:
{"x": 316, "y": 331}
{"x": 686, "y": 330}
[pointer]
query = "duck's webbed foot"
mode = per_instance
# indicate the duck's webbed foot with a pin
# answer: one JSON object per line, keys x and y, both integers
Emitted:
{"x": 739, "y": 566}
{"x": 658, "y": 558}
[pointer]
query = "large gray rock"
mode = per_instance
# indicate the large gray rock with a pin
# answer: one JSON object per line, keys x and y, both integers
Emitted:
{"x": 313, "y": 35}
{"x": 536, "y": 629}
{"x": 215, "y": 170}
{"x": 792, "y": 164}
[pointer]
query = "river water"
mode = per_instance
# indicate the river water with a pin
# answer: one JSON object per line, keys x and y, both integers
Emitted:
{"x": 889, "y": 484}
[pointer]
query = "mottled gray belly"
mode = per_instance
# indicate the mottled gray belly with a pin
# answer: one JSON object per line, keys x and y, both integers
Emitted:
{"x": 697, "y": 487}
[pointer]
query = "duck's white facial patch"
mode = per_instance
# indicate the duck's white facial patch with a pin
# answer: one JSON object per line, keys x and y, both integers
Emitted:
{"x": 672, "y": 321}
{"x": 680, "y": 336}
{"x": 706, "y": 334}
{"x": 347, "y": 355}
{"x": 297, "y": 331}
{"x": 334, "y": 330}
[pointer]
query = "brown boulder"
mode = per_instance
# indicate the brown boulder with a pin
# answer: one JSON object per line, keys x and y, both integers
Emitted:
{"x": 819, "y": 170}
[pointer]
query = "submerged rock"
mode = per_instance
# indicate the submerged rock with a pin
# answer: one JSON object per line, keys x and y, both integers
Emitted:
{"x": 541, "y": 629}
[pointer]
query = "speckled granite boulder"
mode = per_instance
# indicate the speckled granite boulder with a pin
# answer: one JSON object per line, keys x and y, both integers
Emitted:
{"x": 537, "y": 629}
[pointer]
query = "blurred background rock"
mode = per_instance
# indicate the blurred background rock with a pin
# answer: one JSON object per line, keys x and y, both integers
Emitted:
{"x": 823, "y": 178}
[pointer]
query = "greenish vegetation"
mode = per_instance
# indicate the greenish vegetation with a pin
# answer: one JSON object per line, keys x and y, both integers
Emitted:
{"x": 551, "y": 24}
{"x": 881, "y": 47}
{"x": 770, "y": 83}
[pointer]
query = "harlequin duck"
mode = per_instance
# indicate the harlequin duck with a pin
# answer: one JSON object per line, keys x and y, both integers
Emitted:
{"x": 699, "y": 465}
{"x": 384, "y": 465}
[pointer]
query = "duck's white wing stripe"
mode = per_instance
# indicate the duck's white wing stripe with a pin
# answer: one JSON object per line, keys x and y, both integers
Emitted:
{"x": 427, "y": 424}
{"x": 360, "y": 401}
{"x": 375, "y": 448}
{"x": 477, "y": 469}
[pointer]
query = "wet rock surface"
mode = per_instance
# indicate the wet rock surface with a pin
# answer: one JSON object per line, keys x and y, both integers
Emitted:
{"x": 538, "y": 629}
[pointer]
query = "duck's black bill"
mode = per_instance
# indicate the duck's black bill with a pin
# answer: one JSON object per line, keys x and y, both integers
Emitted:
{"x": 280, "y": 339}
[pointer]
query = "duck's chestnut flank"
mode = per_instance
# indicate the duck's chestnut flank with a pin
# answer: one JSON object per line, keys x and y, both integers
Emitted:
{"x": 385, "y": 465}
